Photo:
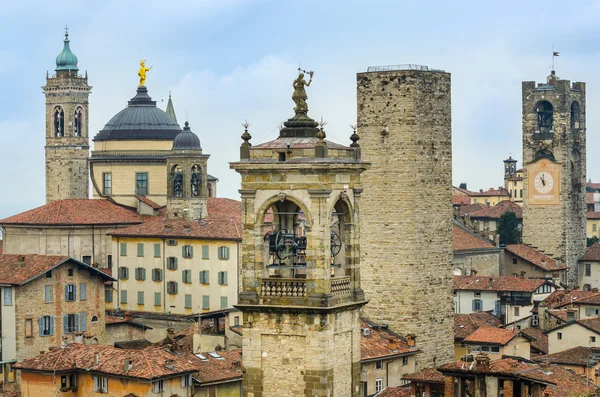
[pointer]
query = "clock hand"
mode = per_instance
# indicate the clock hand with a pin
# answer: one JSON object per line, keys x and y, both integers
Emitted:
{"x": 543, "y": 181}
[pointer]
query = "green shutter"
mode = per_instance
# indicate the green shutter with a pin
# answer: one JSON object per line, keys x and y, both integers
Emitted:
{"x": 205, "y": 302}
{"x": 227, "y": 252}
{"x": 223, "y": 302}
{"x": 123, "y": 249}
{"x": 224, "y": 277}
{"x": 123, "y": 296}
{"x": 188, "y": 301}
{"x": 157, "y": 250}
{"x": 140, "y": 297}
{"x": 140, "y": 249}
{"x": 157, "y": 299}
{"x": 205, "y": 252}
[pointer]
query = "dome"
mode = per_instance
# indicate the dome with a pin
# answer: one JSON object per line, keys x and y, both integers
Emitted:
{"x": 187, "y": 140}
{"x": 66, "y": 60}
{"x": 140, "y": 120}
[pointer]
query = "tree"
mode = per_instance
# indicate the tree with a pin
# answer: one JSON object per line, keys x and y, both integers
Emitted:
{"x": 592, "y": 240}
{"x": 508, "y": 229}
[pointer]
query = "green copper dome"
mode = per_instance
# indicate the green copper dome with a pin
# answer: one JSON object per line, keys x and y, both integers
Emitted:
{"x": 66, "y": 60}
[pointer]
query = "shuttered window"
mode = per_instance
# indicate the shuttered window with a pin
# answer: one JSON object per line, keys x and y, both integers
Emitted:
{"x": 205, "y": 302}
{"x": 157, "y": 250}
{"x": 48, "y": 293}
{"x": 157, "y": 299}
{"x": 188, "y": 301}
{"x": 82, "y": 291}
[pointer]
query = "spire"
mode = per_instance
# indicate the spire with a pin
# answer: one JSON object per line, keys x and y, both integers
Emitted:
{"x": 66, "y": 60}
{"x": 170, "y": 110}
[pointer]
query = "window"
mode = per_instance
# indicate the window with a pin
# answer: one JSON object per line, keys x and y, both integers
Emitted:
{"x": 378, "y": 385}
{"x": 405, "y": 360}
{"x": 521, "y": 193}
{"x": 140, "y": 249}
{"x": 46, "y": 325}
{"x": 29, "y": 328}
{"x": 222, "y": 278}
{"x": 363, "y": 389}
{"x": 70, "y": 292}
{"x": 123, "y": 296}
{"x": 140, "y": 273}
{"x": 559, "y": 335}
{"x": 477, "y": 305}
{"x": 107, "y": 186}
{"x": 592, "y": 339}
{"x": 159, "y": 385}
{"x": 205, "y": 252}
{"x": 83, "y": 321}
{"x": 514, "y": 261}
{"x": 204, "y": 277}
{"x": 48, "y": 293}
{"x": 495, "y": 349}
{"x": 171, "y": 242}
{"x": 70, "y": 272}
{"x": 87, "y": 259}
{"x": 379, "y": 364}
{"x": 140, "y": 300}
{"x": 123, "y": 249}
{"x": 223, "y": 302}
{"x": 157, "y": 299}
{"x": 123, "y": 273}
{"x": 70, "y": 323}
{"x": 188, "y": 301}
{"x": 594, "y": 227}
{"x": 108, "y": 295}
{"x": 82, "y": 292}
{"x": 588, "y": 269}
{"x": 172, "y": 263}
{"x": 156, "y": 274}
{"x": 544, "y": 289}
{"x": 236, "y": 320}
{"x": 157, "y": 250}
{"x": 186, "y": 276}
{"x": 205, "y": 302}
{"x": 517, "y": 311}
{"x": 7, "y": 296}
{"x": 94, "y": 319}
{"x": 172, "y": 287}
{"x": 186, "y": 381}
{"x": 590, "y": 311}
{"x": 187, "y": 251}
{"x": 141, "y": 183}
{"x": 100, "y": 384}
{"x": 224, "y": 253}
{"x": 48, "y": 275}
{"x": 109, "y": 260}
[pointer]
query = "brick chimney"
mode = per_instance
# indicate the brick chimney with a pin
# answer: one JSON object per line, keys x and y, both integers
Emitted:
{"x": 483, "y": 362}
{"x": 411, "y": 339}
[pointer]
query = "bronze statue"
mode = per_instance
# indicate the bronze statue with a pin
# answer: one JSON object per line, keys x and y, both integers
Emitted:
{"x": 142, "y": 72}
{"x": 299, "y": 96}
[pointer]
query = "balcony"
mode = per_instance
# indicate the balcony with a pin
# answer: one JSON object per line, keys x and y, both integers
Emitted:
{"x": 283, "y": 287}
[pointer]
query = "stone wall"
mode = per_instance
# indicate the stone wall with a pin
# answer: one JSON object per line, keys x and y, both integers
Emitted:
{"x": 120, "y": 332}
{"x": 485, "y": 262}
{"x": 404, "y": 124}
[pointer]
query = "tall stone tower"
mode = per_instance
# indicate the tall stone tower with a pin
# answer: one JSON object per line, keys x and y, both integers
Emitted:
{"x": 187, "y": 195}
{"x": 301, "y": 291}
{"x": 406, "y": 246}
{"x": 67, "y": 144}
{"x": 554, "y": 178}
{"x": 510, "y": 168}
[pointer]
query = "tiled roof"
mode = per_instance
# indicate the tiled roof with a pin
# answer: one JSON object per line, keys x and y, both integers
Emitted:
{"x": 149, "y": 202}
{"x": 580, "y": 355}
{"x": 223, "y": 222}
{"x": 592, "y": 185}
{"x": 490, "y": 192}
{"x": 497, "y": 283}
{"x": 398, "y": 391}
{"x": 559, "y": 313}
{"x": 75, "y": 212}
{"x": 497, "y": 336}
{"x": 296, "y": 143}
{"x": 568, "y": 383}
{"x": 20, "y": 269}
{"x": 213, "y": 370}
{"x": 138, "y": 344}
{"x": 560, "y": 298}
{"x": 463, "y": 239}
{"x": 591, "y": 323}
{"x": 183, "y": 338}
{"x": 426, "y": 375}
{"x": 382, "y": 343}
{"x": 498, "y": 210}
{"x": 539, "y": 339}
{"x": 589, "y": 198}
{"x": 459, "y": 199}
{"x": 592, "y": 253}
{"x": 593, "y": 215}
{"x": 470, "y": 208}
{"x": 535, "y": 257}
{"x": 147, "y": 364}
{"x": 466, "y": 324}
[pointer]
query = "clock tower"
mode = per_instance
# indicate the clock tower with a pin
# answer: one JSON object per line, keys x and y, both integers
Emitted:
{"x": 554, "y": 177}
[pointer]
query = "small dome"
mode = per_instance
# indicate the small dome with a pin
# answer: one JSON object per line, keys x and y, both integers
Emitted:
{"x": 66, "y": 60}
{"x": 186, "y": 140}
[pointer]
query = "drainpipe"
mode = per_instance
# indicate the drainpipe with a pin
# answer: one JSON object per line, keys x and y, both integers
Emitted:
{"x": 68, "y": 241}
{"x": 93, "y": 246}
{"x": 117, "y": 275}
{"x": 164, "y": 277}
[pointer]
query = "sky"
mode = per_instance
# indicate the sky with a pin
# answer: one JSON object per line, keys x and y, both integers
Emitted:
{"x": 225, "y": 61}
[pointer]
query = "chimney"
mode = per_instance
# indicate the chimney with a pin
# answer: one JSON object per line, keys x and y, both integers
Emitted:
{"x": 491, "y": 282}
{"x": 169, "y": 364}
{"x": 514, "y": 364}
{"x": 473, "y": 272}
{"x": 41, "y": 352}
{"x": 393, "y": 345}
{"x": 523, "y": 273}
{"x": 21, "y": 260}
{"x": 411, "y": 339}
{"x": 127, "y": 365}
{"x": 483, "y": 362}
{"x": 570, "y": 315}
{"x": 96, "y": 358}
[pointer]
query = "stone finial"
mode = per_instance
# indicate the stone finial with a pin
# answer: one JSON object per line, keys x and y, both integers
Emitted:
{"x": 245, "y": 147}
{"x": 321, "y": 134}
{"x": 321, "y": 146}
{"x": 354, "y": 137}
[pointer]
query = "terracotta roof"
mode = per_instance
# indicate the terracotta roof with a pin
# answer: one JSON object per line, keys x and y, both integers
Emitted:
{"x": 382, "y": 343}
{"x": 498, "y": 210}
{"x": 497, "y": 336}
{"x": 296, "y": 143}
{"x": 223, "y": 223}
{"x": 559, "y": 313}
{"x": 426, "y": 375}
{"x": 589, "y": 198}
{"x": 540, "y": 339}
{"x": 593, "y": 215}
{"x": 560, "y": 298}
{"x": 463, "y": 239}
{"x": 592, "y": 185}
{"x": 490, "y": 192}
{"x": 398, "y": 391}
{"x": 149, "y": 202}
{"x": 592, "y": 253}
{"x": 138, "y": 344}
{"x": 20, "y": 269}
{"x": 468, "y": 209}
{"x": 580, "y": 355}
{"x": 591, "y": 323}
{"x": 75, "y": 212}
{"x": 466, "y": 324}
{"x": 497, "y": 283}
{"x": 213, "y": 370}
{"x": 147, "y": 364}
{"x": 184, "y": 338}
{"x": 568, "y": 383}
{"x": 535, "y": 257}
{"x": 459, "y": 199}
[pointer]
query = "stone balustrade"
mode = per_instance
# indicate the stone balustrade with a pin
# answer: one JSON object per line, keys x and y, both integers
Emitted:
{"x": 340, "y": 286}
{"x": 283, "y": 287}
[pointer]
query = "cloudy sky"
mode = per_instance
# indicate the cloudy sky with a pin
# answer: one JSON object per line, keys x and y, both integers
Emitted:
{"x": 226, "y": 61}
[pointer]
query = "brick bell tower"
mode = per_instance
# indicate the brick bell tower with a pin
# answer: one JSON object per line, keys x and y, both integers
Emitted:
{"x": 301, "y": 291}
{"x": 554, "y": 210}
{"x": 67, "y": 144}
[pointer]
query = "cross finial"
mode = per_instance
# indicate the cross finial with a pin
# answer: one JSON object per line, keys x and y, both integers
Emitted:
{"x": 66, "y": 31}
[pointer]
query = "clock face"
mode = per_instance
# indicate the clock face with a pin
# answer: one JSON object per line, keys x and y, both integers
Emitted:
{"x": 543, "y": 182}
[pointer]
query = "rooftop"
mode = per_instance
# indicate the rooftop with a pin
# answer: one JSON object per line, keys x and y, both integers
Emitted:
{"x": 592, "y": 253}
{"x": 382, "y": 343}
{"x": 560, "y": 298}
{"x": 498, "y": 210}
{"x": 214, "y": 370}
{"x": 497, "y": 336}
{"x": 539, "y": 339}
{"x": 535, "y": 257}
{"x": 464, "y": 239}
{"x": 426, "y": 375}
{"x": 466, "y": 324}
{"x": 497, "y": 283}
{"x": 581, "y": 356}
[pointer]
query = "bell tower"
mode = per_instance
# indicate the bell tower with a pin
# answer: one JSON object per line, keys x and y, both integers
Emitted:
{"x": 67, "y": 144}
{"x": 301, "y": 290}
{"x": 554, "y": 164}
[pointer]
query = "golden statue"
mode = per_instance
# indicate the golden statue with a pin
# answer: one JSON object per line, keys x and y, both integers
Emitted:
{"x": 299, "y": 96}
{"x": 142, "y": 72}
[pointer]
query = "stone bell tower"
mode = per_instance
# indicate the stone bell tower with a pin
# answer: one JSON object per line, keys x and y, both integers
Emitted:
{"x": 67, "y": 144}
{"x": 301, "y": 290}
{"x": 554, "y": 154}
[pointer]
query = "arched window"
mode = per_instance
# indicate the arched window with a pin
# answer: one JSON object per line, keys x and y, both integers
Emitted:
{"x": 457, "y": 271}
{"x": 78, "y": 122}
{"x": 575, "y": 115}
{"x": 545, "y": 117}
{"x": 94, "y": 319}
{"x": 544, "y": 153}
{"x": 341, "y": 230}
{"x": 177, "y": 178}
{"x": 285, "y": 238}
{"x": 59, "y": 122}
{"x": 196, "y": 180}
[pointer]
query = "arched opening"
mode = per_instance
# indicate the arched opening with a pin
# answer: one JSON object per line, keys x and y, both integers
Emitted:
{"x": 59, "y": 122}
{"x": 341, "y": 238}
{"x": 545, "y": 117}
{"x": 457, "y": 271}
{"x": 177, "y": 181}
{"x": 544, "y": 153}
{"x": 196, "y": 180}
{"x": 78, "y": 122}
{"x": 94, "y": 319}
{"x": 575, "y": 115}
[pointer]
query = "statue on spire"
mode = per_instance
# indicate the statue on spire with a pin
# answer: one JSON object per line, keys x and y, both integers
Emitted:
{"x": 142, "y": 72}
{"x": 299, "y": 96}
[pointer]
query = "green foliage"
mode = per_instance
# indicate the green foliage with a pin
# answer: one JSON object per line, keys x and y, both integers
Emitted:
{"x": 508, "y": 229}
{"x": 592, "y": 240}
